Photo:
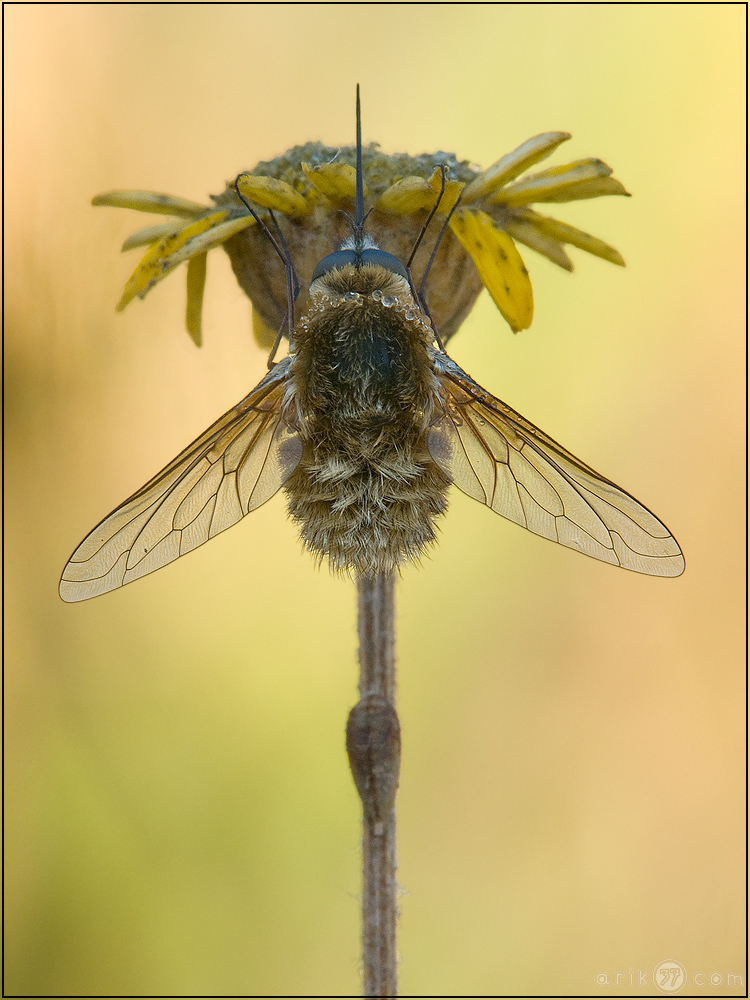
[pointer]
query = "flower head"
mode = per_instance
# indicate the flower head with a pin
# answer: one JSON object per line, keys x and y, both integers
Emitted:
{"x": 310, "y": 189}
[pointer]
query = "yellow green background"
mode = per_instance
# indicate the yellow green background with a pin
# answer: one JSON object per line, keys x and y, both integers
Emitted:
{"x": 181, "y": 820}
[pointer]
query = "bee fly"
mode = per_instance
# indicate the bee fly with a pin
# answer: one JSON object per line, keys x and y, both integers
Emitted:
{"x": 366, "y": 424}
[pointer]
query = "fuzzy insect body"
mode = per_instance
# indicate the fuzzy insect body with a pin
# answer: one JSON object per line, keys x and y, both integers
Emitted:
{"x": 363, "y": 394}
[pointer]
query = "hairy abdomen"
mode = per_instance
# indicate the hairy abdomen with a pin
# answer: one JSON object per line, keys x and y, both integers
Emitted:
{"x": 365, "y": 516}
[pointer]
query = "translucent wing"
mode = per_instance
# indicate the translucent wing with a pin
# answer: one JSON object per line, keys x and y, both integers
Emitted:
{"x": 496, "y": 456}
{"x": 234, "y": 467}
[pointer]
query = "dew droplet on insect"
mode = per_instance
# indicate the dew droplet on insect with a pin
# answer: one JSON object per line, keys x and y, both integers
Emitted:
{"x": 377, "y": 295}
{"x": 387, "y": 301}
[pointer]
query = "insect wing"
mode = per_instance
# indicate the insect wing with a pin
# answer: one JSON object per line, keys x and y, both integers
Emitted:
{"x": 234, "y": 467}
{"x": 498, "y": 457}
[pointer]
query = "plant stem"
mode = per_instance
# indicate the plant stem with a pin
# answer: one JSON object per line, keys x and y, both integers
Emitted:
{"x": 373, "y": 742}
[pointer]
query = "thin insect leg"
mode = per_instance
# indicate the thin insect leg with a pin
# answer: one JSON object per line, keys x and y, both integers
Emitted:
{"x": 277, "y": 342}
{"x": 292, "y": 284}
{"x": 285, "y": 248}
{"x": 421, "y": 294}
{"x": 435, "y": 248}
{"x": 429, "y": 217}
{"x": 258, "y": 219}
{"x": 417, "y": 298}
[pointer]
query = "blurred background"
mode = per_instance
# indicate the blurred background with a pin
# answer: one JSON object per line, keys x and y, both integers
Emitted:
{"x": 181, "y": 819}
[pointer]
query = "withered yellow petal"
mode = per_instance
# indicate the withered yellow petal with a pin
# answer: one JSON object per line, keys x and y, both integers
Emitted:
{"x": 157, "y": 263}
{"x": 336, "y": 181}
{"x": 553, "y": 184}
{"x": 598, "y": 167}
{"x": 528, "y": 234}
{"x": 556, "y": 230}
{"x": 272, "y": 193}
{"x": 407, "y": 195}
{"x": 499, "y": 264}
{"x": 590, "y": 189}
{"x": 211, "y": 238}
{"x": 145, "y": 237}
{"x": 513, "y": 164}
{"x": 263, "y": 334}
{"x": 450, "y": 193}
{"x": 149, "y": 201}
{"x": 196, "y": 282}
{"x": 170, "y": 251}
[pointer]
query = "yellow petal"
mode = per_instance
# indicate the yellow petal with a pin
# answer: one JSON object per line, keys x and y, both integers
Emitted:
{"x": 556, "y": 230}
{"x": 513, "y": 164}
{"x": 599, "y": 168}
{"x": 263, "y": 334}
{"x": 272, "y": 193}
{"x": 165, "y": 255}
{"x": 407, "y": 195}
{"x": 196, "y": 282}
{"x": 528, "y": 234}
{"x": 450, "y": 194}
{"x": 499, "y": 265}
{"x": 211, "y": 238}
{"x": 550, "y": 184}
{"x": 590, "y": 189}
{"x": 145, "y": 237}
{"x": 336, "y": 181}
{"x": 149, "y": 201}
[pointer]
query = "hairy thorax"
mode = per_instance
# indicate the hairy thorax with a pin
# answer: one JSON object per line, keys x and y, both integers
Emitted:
{"x": 363, "y": 394}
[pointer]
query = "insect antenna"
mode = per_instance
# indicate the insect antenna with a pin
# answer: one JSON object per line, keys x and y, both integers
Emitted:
{"x": 360, "y": 216}
{"x": 359, "y": 211}
{"x": 281, "y": 248}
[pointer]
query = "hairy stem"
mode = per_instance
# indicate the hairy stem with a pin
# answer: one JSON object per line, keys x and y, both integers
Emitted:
{"x": 373, "y": 742}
